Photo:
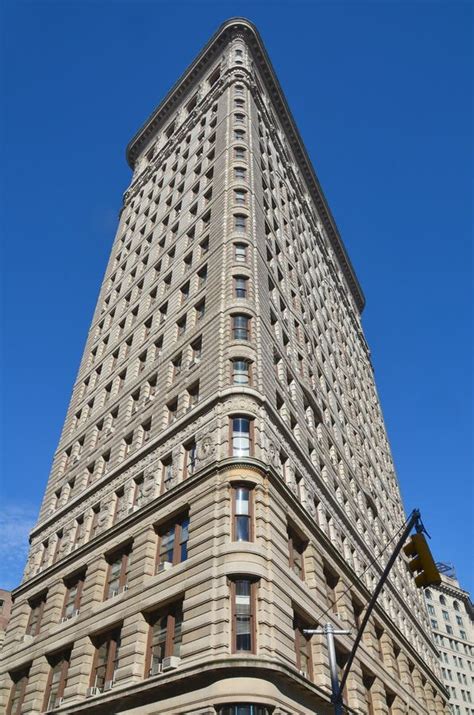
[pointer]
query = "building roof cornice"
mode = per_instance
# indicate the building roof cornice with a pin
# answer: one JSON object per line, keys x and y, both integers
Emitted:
{"x": 227, "y": 31}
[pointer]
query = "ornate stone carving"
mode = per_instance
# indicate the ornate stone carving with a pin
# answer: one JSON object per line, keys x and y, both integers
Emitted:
{"x": 206, "y": 448}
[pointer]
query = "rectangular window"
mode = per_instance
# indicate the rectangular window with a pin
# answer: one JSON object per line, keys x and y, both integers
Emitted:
{"x": 173, "y": 542}
{"x": 17, "y": 693}
{"x": 193, "y": 395}
{"x": 172, "y": 411}
{"x": 72, "y": 599}
{"x": 240, "y": 287}
{"x": 167, "y": 473}
{"x": 196, "y": 351}
{"x": 302, "y": 648}
{"x": 242, "y": 512}
{"x": 296, "y": 549}
{"x": 106, "y": 660}
{"x": 117, "y": 574}
{"x": 240, "y": 223}
{"x": 36, "y": 614}
{"x": 240, "y": 252}
{"x": 243, "y": 599}
{"x": 190, "y": 454}
{"x": 95, "y": 521}
{"x": 57, "y": 681}
{"x": 241, "y": 437}
{"x": 164, "y": 638}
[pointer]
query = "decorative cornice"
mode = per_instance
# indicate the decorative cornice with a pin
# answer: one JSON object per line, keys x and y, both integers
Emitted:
{"x": 163, "y": 112}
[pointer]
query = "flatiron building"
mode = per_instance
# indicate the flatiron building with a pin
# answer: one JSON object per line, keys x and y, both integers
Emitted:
{"x": 223, "y": 480}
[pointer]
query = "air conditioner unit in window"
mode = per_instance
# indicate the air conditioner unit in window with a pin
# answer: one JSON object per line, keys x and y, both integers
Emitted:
{"x": 164, "y": 566}
{"x": 70, "y": 615}
{"x": 108, "y": 685}
{"x": 133, "y": 508}
{"x": 109, "y": 431}
{"x": 304, "y": 673}
{"x": 170, "y": 663}
{"x": 93, "y": 691}
{"x": 118, "y": 591}
{"x": 55, "y": 703}
{"x": 27, "y": 638}
{"x": 155, "y": 669}
{"x": 75, "y": 459}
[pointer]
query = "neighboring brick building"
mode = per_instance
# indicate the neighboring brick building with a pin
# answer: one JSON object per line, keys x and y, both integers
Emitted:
{"x": 223, "y": 479}
{"x": 5, "y": 609}
{"x": 452, "y": 622}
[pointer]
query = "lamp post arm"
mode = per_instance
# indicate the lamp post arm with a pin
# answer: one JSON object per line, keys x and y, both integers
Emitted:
{"x": 412, "y": 521}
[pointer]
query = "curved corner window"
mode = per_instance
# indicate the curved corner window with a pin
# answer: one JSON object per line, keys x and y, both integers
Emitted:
{"x": 244, "y": 709}
{"x": 241, "y": 436}
{"x": 240, "y": 327}
{"x": 240, "y": 371}
{"x": 242, "y": 510}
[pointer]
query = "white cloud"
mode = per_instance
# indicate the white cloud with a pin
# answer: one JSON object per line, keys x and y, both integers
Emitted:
{"x": 15, "y": 525}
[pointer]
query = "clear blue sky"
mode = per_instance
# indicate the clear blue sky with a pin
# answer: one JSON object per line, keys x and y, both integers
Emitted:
{"x": 381, "y": 94}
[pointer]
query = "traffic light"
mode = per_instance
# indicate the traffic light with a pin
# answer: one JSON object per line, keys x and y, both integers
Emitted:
{"x": 421, "y": 562}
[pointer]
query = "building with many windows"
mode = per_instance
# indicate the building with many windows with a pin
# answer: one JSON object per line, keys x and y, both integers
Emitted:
{"x": 451, "y": 616}
{"x": 223, "y": 480}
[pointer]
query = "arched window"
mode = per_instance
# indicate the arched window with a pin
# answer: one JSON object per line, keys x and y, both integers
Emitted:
{"x": 428, "y": 594}
{"x": 456, "y": 606}
{"x": 442, "y": 600}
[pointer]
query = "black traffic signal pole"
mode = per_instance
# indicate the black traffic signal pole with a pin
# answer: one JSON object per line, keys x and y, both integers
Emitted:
{"x": 414, "y": 520}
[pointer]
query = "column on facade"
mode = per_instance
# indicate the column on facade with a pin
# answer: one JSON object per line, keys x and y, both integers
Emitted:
{"x": 18, "y": 622}
{"x": 54, "y": 605}
{"x": 133, "y": 643}
{"x": 429, "y": 699}
{"x": 94, "y": 584}
{"x": 388, "y": 655}
{"x": 379, "y": 697}
{"x": 79, "y": 672}
{"x": 355, "y": 688}
{"x": 36, "y": 687}
{"x": 405, "y": 675}
{"x": 143, "y": 557}
{"x": 418, "y": 686}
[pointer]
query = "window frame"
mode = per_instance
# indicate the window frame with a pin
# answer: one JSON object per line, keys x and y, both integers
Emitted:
{"x": 236, "y": 329}
{"x": 176, "y": 523}
{"x": 295, "y": 541}
{"x": 122, "y": 553}
{"x": 241, "y": 293}
{"x": 250, "y": 435}
{"x": 35, "y": 618}
{"x": 113, "y": 640}
{"x": 63, "y": 660}
{"x": 170, "y": 612}
{"x": 298, "y": 627}
{"x": 253, "y": 600}
{"x": 238, "y": 256}
{"x": 235, "y": 486}
{"x": 70, "y": 582}
{"x": 22, "y": 681}
{"x": 233, "y": 372}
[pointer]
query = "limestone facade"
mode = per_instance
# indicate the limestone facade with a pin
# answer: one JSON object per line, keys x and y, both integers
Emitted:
{"x": 223, "y": 479}
{"x": 451, "y": 616}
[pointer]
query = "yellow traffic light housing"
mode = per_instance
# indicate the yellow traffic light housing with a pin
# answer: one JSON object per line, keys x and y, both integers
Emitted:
{"x": 421, "y": 562}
